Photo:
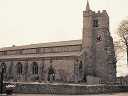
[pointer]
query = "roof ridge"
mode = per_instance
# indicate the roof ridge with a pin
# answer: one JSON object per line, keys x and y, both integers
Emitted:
{"x": 47, "y": 44}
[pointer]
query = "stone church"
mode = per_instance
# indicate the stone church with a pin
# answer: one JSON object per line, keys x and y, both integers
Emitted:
{"x": 65, "y": 61}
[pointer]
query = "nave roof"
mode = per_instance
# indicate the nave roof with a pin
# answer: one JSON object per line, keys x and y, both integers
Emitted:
{"x": 39, "y": 45}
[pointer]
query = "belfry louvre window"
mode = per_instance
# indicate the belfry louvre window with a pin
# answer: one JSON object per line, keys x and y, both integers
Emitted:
{"x": 19, "y": 68}
{"x": 35, "y": 68}
{"x": 99, "y": 38}
{"x": 95, "y": 23}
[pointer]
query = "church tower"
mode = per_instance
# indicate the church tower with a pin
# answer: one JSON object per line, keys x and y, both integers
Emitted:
{"x": 99, "y": 56}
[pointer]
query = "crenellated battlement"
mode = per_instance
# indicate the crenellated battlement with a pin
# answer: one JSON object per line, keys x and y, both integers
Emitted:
{"x": 100, "y": 13}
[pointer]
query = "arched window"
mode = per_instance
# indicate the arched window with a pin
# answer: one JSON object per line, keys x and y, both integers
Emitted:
{"x": 95, "y": 23}
{"x": 35, "y": 68}
{"x": 3, "y": 65}
{"x": 99, "y": 38}
{"x": 80, "y": 65}
{"x": 19, "y": 68}
{"x": 51, "y": 73}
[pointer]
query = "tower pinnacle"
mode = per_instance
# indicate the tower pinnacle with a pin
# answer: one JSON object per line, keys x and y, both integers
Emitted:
{"x": 87, "y": 6}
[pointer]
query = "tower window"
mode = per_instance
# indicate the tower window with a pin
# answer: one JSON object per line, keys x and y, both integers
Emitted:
{"x": 99, "y": 38}
{"x": 95, "y": 23}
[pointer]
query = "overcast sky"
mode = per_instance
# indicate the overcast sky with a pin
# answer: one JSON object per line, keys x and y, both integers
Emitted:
{"x": 36, "y": 21}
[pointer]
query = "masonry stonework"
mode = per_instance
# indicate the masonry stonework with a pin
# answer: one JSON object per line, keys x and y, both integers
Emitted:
{"x": 66, "y": 61}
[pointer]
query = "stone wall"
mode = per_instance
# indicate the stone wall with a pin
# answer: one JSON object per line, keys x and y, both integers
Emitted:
{"x": 68, "y": 88}
{"x": 63, "y": 69}
{"x": 98, "y": 56}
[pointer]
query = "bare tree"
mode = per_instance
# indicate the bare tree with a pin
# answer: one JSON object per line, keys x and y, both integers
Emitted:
{"x": 118, "y": 49}
{"x": 123, "y": 34}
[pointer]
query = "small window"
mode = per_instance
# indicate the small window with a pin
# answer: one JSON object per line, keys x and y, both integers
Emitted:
{"x": 37, "y": 50}
{"x": 95, "y": 23}
{"x": 98, "y": 38}
{"x": 4, "y": 52}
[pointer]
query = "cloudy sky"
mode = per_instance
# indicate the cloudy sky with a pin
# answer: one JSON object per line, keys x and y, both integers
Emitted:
{"x": 36, "y": 21}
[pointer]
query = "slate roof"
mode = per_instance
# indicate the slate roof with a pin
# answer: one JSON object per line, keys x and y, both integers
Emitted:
{"x": 49, "y": 44}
